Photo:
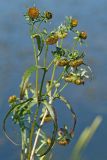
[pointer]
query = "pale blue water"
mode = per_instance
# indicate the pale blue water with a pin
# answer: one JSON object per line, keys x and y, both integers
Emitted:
{"x": 16, "y": 55}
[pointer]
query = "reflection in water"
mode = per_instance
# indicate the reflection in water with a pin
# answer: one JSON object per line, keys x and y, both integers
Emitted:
{"x": 16, "y": 55}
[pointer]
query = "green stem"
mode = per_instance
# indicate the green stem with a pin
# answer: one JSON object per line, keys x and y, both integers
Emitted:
{"x": 36, "y": 112}
{"x": 62, "y": 88}
{"x": 23, "y": 135}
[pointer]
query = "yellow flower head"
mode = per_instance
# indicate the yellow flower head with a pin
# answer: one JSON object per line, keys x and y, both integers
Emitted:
{"x": 33, "y": 12}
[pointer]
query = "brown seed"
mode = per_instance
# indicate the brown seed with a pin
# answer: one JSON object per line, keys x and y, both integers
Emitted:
{"x": 74, "y": 22}
{"x": 33, "y": 12}
{"x": 83, "y": 35}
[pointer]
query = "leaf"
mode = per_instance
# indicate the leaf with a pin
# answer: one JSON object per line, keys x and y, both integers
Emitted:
{"x": 8, "y": 114}
{"x": 25, "y": 80}
{"x": 40, "y": 42}
{"x": 63, "y": 99}
{"x": 54, "y": 117}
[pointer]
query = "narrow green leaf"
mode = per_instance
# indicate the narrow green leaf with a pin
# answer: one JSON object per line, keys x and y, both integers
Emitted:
{"x": 68, "y": 105}
{"x": 25, "y": 80}
{"x": 8, "y": 114}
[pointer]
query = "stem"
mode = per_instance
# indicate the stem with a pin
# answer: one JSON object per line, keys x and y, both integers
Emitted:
{"x": 36, "y": 62}
{"x": 37, "y": 136}
{"x": 62, "y": 88}
{"x": 45, "y": 58}
{"x": 37, "y": 77}
{"x": 23, "y": 135}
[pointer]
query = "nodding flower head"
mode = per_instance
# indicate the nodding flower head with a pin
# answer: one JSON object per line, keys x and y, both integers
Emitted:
{"x": 83, "y": 35}
{"x": 48, "y": 15}
{"x": 75, "y": 63}
{"x": 74, "y": 22}
{"x": 62, "y": 62}
{"x": 52, "y": 39}
{"x": 33, "y": 12}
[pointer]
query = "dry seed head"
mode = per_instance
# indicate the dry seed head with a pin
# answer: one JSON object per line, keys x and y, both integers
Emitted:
{"x": 74, "y": 22}
{"x": 52, "y": 39}
{"x": 33, "y": 12}
{"x": 83, "y": 35}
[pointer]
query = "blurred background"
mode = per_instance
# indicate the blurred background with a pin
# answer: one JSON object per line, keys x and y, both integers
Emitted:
{"x": 89, "y": 100}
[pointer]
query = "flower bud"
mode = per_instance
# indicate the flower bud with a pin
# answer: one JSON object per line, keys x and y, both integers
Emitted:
{"x": 64, "y": 142}
{"x": 83, "y": 35}
{"x": 48, "y": 15}
{"x": 74, "y": 22}
{"x": 48, "y": 141}
{"x": 12, "y": 99}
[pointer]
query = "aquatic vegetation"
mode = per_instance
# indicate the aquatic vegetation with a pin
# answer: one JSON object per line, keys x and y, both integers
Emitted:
{"x": 34, "y": 107}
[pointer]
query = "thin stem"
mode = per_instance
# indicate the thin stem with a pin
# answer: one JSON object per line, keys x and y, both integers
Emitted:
{"x": 37, "y": 136}
{"x": 36, "y": 62}
{"x": 45, "y": 58}
{"x": 65, "y": 85}
{"x": 50, "y": 64}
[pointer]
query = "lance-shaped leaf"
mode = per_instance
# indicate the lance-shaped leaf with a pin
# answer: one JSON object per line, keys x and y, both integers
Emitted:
{"x": 68, "y": 105}
{"x": 40, "y": 42}
{"x": 8, "y": 114}
{"x": 25, "y": 80}
{"x": 51, "y": 111}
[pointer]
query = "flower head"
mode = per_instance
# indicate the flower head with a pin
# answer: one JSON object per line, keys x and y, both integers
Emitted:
{"x": 74, "y": 22}
{"x": 83, "y": 35}
{"x": 52, "y": 39}
{"x": 33, "y": 12}
{"x": 48, "y": 15}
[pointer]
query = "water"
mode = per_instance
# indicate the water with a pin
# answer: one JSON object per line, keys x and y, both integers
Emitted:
{"x": 16, "y": 55}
